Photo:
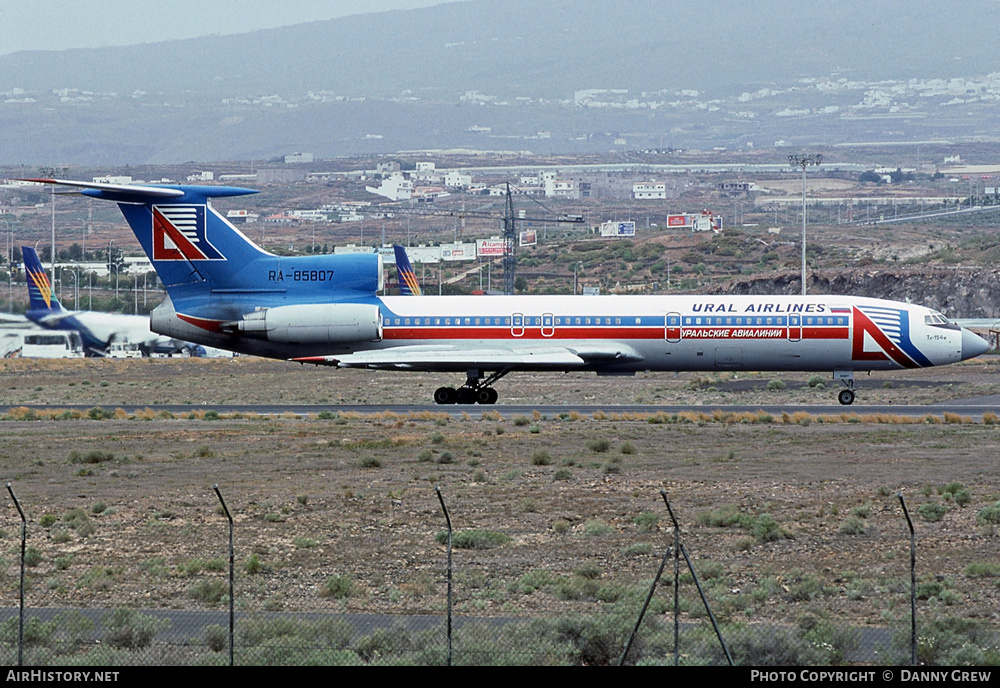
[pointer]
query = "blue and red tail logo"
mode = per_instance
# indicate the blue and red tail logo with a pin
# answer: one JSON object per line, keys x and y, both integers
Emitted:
{"x": 179, "y": 234}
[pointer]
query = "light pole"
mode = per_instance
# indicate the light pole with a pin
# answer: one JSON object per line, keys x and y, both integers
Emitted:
{"x": 10, "y": 264}
{"x": 804, "y": 161}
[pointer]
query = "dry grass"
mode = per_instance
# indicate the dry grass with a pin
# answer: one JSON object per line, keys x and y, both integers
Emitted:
{"x": 289, "y": 478}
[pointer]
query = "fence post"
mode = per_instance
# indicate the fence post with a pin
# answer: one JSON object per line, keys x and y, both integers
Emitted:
{"x": 708, "y": 608}
{"x": 913, "y": 582}
{"x": 20, "y": 620}
{"x": 447, "y": 519}
{"x": 677, "y": 578}
{"x": 645, "y": 606}
{"x": 232, "y": 619}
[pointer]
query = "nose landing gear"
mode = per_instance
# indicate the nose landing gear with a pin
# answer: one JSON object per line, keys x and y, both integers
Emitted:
{"x": 846, "y": 396}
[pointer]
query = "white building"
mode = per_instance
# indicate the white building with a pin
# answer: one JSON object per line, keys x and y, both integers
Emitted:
{"x": 562, "y": 188}
{"x": 394, "y": 187}
{"x": 458, "y": 180}
{"x": 649, "y": 190}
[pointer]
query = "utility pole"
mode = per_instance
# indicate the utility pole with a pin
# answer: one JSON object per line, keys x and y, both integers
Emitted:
{"x": 804, "y": 161}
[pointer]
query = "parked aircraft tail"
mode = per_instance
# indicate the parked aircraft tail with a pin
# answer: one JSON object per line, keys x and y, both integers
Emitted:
{"x": 408, "y": 285}
{"x": 41, "y": 299}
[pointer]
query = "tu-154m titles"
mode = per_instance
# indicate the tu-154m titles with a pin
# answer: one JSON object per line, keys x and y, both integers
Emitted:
{"x": 226, "y": 292}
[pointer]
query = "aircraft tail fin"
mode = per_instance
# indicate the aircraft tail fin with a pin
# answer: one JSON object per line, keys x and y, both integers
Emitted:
{"x": 408, "y": 285}
{"x": 213, "y": 273}
{"x": 186, "y": 240}
{"x": 41, "y": 298}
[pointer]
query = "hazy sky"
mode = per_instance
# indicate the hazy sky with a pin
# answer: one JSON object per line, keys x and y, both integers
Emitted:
{"x": 61, "y": 24}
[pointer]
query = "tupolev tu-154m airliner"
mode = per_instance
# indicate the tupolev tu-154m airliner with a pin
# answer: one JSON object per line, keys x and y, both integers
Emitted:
{"x": 224, "y": 291}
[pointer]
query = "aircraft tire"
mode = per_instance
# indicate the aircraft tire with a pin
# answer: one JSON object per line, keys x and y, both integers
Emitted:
{"x": 486, "y": 395}
{"x": 465, "y": 395}
{"x": 494, "y": 395}
{"x": 846, "y": 397}
{"x": 445, "y": 395}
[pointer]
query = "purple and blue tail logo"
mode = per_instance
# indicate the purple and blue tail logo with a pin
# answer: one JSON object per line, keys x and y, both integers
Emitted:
{"x": 179, "y": 234}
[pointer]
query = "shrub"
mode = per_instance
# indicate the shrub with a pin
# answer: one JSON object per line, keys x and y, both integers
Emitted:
{"x": 216, "y": 637}
{"x": 646, "y": 521}
{"x": 816, "y": 381}
{"x": 98, "y": 413}
{"x": 989, "y": 515}
{"x": 129, "y": 629}
{"x": 932, "y": 511}
{"x": 982, "y": 569}
{"x": 854, "y": 525}
{"x": 957, "y": 492}
{"x": 337, "y": 587}
{"x": 473, "y": 539}
{"x": 599, "y": 446}
{"x": 210, "y": 592}
{"x": 253, "y": 564}
{"x": 561, "y": 526}
{"x": 541, "y": 458}
{"x": 32, "y": 556}
{"x": 638, "y": 549}
{"x": 94, "y": 456}
{"x": 596, "y": 528}
{"x": 775, "y": 386}
{"x": 766, "y": 529}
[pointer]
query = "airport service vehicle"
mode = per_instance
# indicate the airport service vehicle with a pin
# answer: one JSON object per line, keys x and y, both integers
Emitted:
{"x": 54, "y": 344}
{"x": 99, "y": 331}
{"x": 123, "y": 349}
{"x": 226, "y": 292}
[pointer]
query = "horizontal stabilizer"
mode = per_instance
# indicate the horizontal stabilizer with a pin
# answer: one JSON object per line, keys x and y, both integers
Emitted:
{"x": 148, "y": 193}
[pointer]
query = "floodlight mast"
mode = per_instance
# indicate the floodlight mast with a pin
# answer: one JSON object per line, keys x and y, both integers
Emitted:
{"x": 804, "y": 161}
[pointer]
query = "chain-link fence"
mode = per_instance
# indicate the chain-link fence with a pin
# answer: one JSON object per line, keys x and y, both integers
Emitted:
{"x": 290, "y": 615}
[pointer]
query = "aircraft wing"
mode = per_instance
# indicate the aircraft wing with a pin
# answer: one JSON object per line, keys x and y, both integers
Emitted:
{"x": 420, "y": 357}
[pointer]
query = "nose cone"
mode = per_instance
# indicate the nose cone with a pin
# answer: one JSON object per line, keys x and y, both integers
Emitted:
{"x": 973, "y": 345}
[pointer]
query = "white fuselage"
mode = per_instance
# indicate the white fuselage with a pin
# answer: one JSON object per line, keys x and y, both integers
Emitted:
{"x": 630, "y": 333}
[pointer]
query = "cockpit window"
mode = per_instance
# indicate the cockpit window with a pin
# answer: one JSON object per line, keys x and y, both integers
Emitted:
{"x": 935, "y": 319}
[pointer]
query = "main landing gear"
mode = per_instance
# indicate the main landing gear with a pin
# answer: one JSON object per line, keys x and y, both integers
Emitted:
{"x": 474, "y": 391}
{"x": 846, "y": 396}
